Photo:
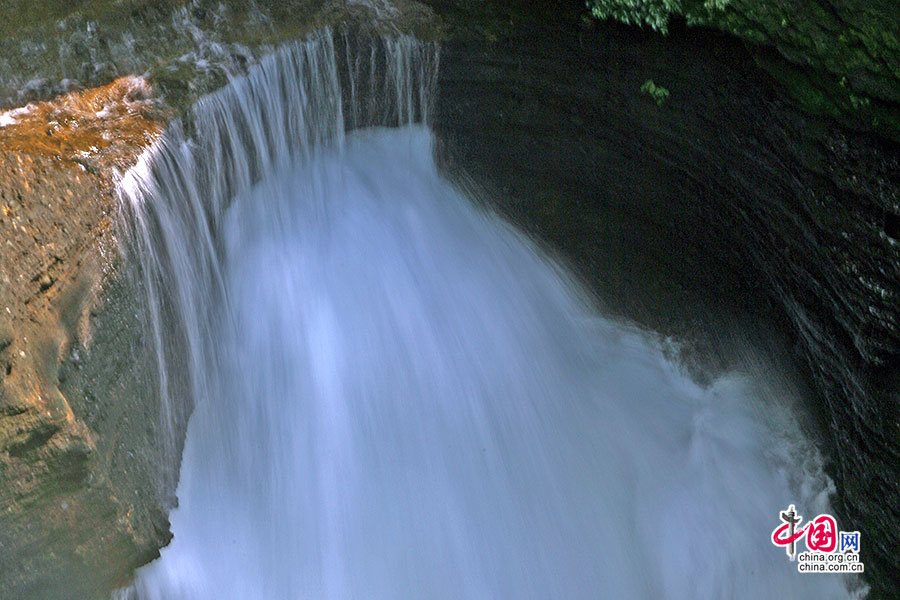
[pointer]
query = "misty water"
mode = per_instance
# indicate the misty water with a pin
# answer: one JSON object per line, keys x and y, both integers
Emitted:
{"x": 396, "y": 395}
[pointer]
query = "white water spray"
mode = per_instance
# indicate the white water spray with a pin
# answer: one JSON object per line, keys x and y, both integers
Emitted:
{"x": 396, "y": 396}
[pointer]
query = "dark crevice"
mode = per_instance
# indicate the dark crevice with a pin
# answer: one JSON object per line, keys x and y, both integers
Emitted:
{"x": 892, "y": 225}
{"x": 35, "y": 439}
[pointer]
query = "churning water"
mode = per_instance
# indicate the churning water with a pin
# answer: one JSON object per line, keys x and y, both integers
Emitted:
{"x": 396, "y": 396}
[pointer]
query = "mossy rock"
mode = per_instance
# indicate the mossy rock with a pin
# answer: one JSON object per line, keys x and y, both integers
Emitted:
{"x": 848, "y": 51}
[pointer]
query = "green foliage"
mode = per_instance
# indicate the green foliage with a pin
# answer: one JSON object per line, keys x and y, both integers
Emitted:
{"x": 846, "y": 52}
{"x": 657, "y": 92}
{"x": 859, "y": 102}
{"x": 654, "y": 13}
{"x": 843, "y": 37}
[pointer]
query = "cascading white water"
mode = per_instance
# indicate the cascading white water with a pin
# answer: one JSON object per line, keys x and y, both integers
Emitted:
{"x": 397, "y": 396}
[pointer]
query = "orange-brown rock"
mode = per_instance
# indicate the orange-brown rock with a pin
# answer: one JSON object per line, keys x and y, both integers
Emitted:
{"x": 60, "y": 503}
{"x": 102, "y": 126}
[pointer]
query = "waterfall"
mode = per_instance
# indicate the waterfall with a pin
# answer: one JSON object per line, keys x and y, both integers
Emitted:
{"x": 393, "y": 394}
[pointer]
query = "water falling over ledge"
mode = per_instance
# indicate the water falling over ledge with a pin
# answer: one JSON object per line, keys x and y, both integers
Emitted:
{"x": 286, "y": 109}
{"x": 396, "y": 395}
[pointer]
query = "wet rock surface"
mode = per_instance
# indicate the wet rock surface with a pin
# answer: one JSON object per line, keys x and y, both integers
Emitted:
{"x": 184, "y": 48}
{"x": 724, "y": 204}
{"x": 79, "y": 506}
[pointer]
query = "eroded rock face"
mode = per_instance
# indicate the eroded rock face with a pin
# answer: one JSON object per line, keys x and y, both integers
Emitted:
{"x": 79, "y": 506}
{"x": 725, "y": 204}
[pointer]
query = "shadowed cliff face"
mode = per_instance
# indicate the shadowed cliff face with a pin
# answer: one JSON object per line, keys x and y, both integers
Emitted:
{"x": 725, "y": 204}
{"x": 847, "y": 51}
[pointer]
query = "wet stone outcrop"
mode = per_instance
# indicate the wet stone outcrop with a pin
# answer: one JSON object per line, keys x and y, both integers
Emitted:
{"x": 79, "y": 475}
{"x": 186, "y": 48}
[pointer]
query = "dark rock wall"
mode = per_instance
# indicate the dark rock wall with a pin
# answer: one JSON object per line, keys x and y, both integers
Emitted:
{"x": 725, "y": 204}
{"x": 846, "y": 52}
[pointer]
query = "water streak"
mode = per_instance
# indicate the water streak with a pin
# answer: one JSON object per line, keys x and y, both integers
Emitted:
{"x": 397, "y": 396}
